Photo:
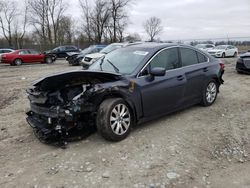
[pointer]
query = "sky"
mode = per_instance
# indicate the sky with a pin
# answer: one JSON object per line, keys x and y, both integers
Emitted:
{"x": 187, "y": 19}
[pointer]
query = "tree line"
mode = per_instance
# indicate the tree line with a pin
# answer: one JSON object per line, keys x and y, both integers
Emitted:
{"x": 44, "y": 24}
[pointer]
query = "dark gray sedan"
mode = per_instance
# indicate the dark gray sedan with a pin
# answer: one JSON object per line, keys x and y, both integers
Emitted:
{"x": 129, "y": 86}
{"x": 243, "y": 63}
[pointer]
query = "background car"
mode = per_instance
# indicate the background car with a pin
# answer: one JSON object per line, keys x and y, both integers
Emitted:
{"x": 62, "y": 51}
{"x": 19, "y": 57}
{"x": 90, "y": 58}
{"x": 224, "y": 51}
{"x": 205, "y": 47}
{"x": 76, "y": 58}
{"x": 243, "y": 63}
{"x": 5, "y": 51}
{"x": 128, "y": 86}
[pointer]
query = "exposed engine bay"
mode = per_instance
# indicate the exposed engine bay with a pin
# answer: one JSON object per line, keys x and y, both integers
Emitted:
{"x": 66, "y": 103}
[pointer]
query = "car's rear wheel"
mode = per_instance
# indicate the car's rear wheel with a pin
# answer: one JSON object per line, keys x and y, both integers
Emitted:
{"x": 223, "y": 55}
{"x": 209, "y": 94}
{"x": 17, "y": 62}
{"x": 114, "y": 119}
{"x": 48, "y": 60}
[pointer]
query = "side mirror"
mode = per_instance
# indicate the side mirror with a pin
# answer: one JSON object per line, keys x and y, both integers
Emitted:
{"x": 157, "y": 71}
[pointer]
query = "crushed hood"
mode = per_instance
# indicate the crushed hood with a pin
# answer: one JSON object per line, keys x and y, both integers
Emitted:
{"x": 67, "y": 79}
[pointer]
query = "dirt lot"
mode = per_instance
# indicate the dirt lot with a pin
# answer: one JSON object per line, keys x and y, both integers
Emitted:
{"x": 197, "y": 147}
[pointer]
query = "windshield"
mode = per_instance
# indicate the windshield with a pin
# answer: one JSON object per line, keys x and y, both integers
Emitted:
{"x": 87, "y": 50}
{"x": 110, "y": 48}
{"x": 220, "y": 47}
{"x": 123, "y": 61}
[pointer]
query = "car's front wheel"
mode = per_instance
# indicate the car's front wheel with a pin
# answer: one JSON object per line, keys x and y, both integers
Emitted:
{"x": 114, "y": 119}
{"x": 209, "y": 94}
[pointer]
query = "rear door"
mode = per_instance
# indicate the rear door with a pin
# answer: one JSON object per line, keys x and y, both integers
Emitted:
{"x": 25, "y": 56}
{"x": 162, "y": 94}
{"x": 36, "y": 56}
{"x": 195, "y": 67}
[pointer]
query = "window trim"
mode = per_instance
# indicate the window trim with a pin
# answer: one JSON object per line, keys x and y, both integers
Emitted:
{"x": 150, "y": 60}
{"x": 179, "y": 55}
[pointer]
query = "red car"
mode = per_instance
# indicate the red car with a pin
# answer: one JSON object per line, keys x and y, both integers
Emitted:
{"x": 19, "y": 57}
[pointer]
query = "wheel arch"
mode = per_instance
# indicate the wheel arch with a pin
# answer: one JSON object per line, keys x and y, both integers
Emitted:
{"x": 126, "y": 100}
{"x": 14, "y": 59}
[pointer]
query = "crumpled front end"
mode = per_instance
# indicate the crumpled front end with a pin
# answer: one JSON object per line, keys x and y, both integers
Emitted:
{"x": 64, "y": 103}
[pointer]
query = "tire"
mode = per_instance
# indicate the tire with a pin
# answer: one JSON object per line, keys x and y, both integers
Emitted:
{"x": 209, "y": 93}
{"x": 17, "y": 62}
{"x": 235, "y": 54}
{"x": 223, "y": 55}
{"x": 48, "y": 60}
{"x": 114, "y": 119}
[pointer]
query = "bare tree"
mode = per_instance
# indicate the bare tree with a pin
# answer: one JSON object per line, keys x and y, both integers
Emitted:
{"x": 56, "y": 10}
{"x": 20, "y": 28}
{"x": 8, "y": 12}
{"x": 100, "y": 18}
{"x": 118, "y": 15}
{"x": 65, "y": 31}
{"x": 13, "y": 22}
{"x": 105, "y": 20}
{"x": 86, "y": 9}
{"x": 45, "y": 17}
{"x": 153, "y": 27}
{"x": 96, "y": 19}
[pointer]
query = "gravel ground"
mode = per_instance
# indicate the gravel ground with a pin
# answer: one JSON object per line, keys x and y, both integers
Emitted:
{"x": 196, "y": 147}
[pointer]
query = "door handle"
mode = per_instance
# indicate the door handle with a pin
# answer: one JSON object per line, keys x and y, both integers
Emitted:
{"x": 180, "y": 78}
{"x": 205, "y": 69}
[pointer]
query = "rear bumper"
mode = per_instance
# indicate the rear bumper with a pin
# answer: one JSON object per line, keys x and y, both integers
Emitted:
{"x": 220, "y": 76}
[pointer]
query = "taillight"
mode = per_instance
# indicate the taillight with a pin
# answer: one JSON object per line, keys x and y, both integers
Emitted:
{"x": 222, "y": 65}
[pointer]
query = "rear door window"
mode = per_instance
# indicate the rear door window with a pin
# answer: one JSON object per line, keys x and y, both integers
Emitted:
{"x": 24, "y": 52}
{"x": 202, "y": 58}
{"x": 34, "y": 52}
{"x": 188, "y": 57}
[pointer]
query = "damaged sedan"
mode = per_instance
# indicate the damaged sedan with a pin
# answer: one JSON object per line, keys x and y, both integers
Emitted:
{"x": 129, "y": 86}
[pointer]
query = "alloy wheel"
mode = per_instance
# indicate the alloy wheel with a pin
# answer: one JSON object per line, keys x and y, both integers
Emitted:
{"x": 48, "y": 60}
{"x": 211, "y": 92}
{"x": 18, "y": 62}
{"x": 120, "y": 119}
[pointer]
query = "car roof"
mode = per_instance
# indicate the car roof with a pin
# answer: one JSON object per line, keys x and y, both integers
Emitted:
{"x": 151, "y": 46}
{"x": 6, "y": 49}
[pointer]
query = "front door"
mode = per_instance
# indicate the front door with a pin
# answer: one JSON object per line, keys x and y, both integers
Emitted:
{"x": 162, "y": 94}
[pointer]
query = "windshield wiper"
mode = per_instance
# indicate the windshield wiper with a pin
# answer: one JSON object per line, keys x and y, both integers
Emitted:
{"x": 115, "y": 68}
